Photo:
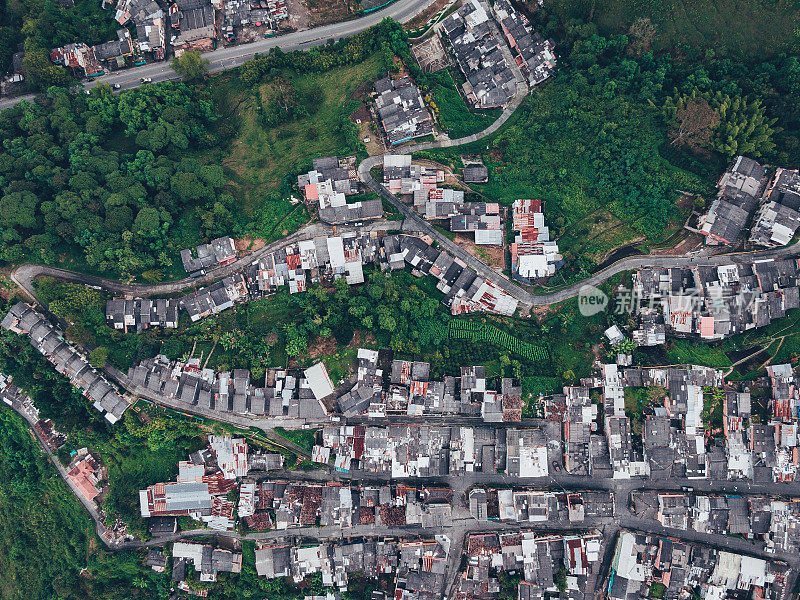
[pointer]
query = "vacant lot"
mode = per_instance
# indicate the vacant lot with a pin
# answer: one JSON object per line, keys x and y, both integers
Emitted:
{"x": 321, "y": 12}
{"x": 738, "y": 27}
{"x": 454, "y": 115}
{"x": 260, "y": 159}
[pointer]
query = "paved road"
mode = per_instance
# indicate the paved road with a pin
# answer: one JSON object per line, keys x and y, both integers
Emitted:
{"x": 25, "y": 274}
{"x": 91, "y": 508}
{"x": 463, "y": 524}
{"x": 414, "y": 222}
{"x": 225, "y": 58}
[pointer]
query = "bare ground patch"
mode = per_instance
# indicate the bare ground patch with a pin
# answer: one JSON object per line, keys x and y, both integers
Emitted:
{"x": 494, "y": 256}
{"x": 322, "y": 346}
{"x": 249, "y": 244}
{"x": 321, "y": 12}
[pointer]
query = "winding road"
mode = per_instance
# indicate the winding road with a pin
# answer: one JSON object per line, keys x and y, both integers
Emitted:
{"x": 463, "y": 522}
{"x": 230, "y": 57}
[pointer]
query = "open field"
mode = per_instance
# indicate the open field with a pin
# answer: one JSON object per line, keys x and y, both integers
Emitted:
{"x": 454, "y": 115}
{"x": 260, "y": 159}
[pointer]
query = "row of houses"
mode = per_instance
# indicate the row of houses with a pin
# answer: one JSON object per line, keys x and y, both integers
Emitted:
{"x": 535, "y": 506}
{"x": 49, "y": 340}
{"x": 482, "y": 219}
{"x": 180, "y": 24}
{"x": 550, "y": 565}
{"x": 749, "y": 192}
{"x": 388, "y": 386}
{"x": 533, "y": 254}
{"x": 418, "y": 565}
{"x": 285, "y": 394}
{"x": 295, "y": 504}
{"x": 401, "y": 110}
{"x": 404, "y": 451}
{"x": 464, "y": 290}
{"x": 140, "y": 314}
{"x": 714, "y": 302}
{"x": 206, "y": 560}
{"x": 773, "y": 522}
{"x": 322, "y": 259}
{"x": 646, "y": 564}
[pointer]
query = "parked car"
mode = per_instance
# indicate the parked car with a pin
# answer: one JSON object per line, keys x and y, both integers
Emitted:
{"x": 556, "y": 466}
{"x": 116, "y": 86}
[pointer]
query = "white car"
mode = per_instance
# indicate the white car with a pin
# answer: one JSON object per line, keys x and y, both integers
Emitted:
{"x": 146, "y": 80}
{"x": 116, "y": 86}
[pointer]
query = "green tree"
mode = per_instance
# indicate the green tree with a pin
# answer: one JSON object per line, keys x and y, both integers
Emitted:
{"x": 191, "y": 66}
{"x": 40, "y": 72}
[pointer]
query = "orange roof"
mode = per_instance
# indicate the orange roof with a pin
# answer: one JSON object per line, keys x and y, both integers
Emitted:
{"x": 311, "y": 192}
{"x": 83, "y": 476}
{"x": 706, "y": 327}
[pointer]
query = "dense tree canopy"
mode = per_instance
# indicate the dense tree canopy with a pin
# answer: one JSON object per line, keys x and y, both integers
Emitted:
{"x": 103, "y": 176}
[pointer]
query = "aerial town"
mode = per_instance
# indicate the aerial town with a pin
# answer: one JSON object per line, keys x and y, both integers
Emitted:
{"x": 399, "y": 300}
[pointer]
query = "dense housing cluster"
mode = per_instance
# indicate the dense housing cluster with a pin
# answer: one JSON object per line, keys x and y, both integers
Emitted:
{"x": 747, "y": 189}
{"x": 49, "y": 340}
{"x": 203, "y": 484}
{"x": 387, "y": 386}
{"x": 481, "y": 54}
{"x": 297, "y": 504}
{"x": 531, "y": 51}
{"x": 715, "y": 302}
{"x": 328, "y": 183}
{"x": 216, "y": 253}
{"x": 543, "y": 560}
{"x": 401, "y": 109}
{"x": 92, "y": 61}
{"x": 490, "y": 82}
{"x": 434, "y": 450}
{"x": 643, "y": 561}
{"x": 672, "y": 437}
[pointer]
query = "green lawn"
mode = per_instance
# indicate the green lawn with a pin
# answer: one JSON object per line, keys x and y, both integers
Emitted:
{"x": 680, "y": 351}
{"x": 305, "y": 438}
{"x": 454, "y": 115}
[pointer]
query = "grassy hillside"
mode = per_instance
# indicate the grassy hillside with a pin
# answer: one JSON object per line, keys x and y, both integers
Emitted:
{"x": 260, "y": 157}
